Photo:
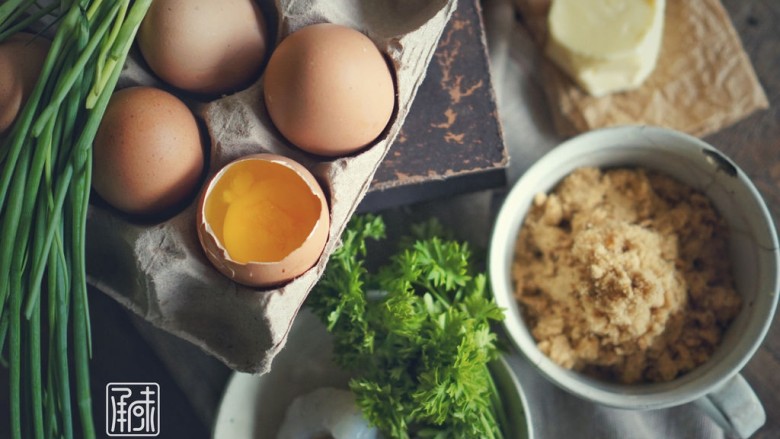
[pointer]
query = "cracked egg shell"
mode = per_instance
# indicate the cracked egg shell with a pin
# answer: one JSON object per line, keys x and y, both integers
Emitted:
{"x": 263, "y": 220}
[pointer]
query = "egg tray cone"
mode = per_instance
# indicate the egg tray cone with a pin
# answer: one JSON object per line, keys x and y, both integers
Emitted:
{"x": 160, "y": 272}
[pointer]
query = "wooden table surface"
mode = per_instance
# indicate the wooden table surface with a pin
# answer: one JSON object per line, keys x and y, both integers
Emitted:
{"x": 754, "y": 144}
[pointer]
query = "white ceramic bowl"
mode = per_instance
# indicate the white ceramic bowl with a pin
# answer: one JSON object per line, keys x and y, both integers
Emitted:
{"x": 753, "y": 250}
{"x": 254, "y": 406}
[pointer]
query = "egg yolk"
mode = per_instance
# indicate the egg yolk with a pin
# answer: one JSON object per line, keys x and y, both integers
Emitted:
{"x": 261, "y": 211}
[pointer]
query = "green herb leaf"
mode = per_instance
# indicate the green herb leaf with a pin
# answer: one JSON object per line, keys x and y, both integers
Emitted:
{"x": 415, "y": 332}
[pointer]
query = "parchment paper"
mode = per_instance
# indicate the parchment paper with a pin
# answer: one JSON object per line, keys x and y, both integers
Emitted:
{"x": 159, "y": 270}
{"x": 703, "y": 81}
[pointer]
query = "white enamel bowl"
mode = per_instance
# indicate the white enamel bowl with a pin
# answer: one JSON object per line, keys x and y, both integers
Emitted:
{"x": 753, "y": 250}
{"x": 253, "y": 406}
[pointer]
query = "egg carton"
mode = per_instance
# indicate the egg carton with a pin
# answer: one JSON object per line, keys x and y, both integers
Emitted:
{"x": 160, "y": 272}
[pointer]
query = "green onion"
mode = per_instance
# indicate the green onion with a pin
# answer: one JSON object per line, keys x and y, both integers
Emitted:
{"x": 45, "y": 179}
{"x": 27, "y": 21}
{"x": 65, "y": 83}
{"x": 34, "y": 325}
{"x": 11, "y": 9}
{"x": 3, "y": 333}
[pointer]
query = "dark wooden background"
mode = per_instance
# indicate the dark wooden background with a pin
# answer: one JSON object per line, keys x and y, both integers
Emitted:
{"x": 121, "y": 354}
{"x": 754, "y": 144}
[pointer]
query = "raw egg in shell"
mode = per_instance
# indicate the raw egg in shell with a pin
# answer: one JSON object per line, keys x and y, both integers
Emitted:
{"x": 204, "y": 46}
{"x": 263, "y": 220}
{"x": 148, "y": 154}
{"x": 329, "y": 90}
{"x": 21, "y": 59}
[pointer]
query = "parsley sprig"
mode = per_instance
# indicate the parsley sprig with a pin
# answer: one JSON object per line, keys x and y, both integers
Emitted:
{"x": 415, "y": 332}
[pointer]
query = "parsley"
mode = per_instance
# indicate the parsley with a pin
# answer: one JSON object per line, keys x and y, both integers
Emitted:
{"x": 415, "y": 332}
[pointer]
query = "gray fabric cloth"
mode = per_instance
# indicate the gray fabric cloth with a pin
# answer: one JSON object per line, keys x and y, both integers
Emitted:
{"x": 557, "y": 414}
{"x": 529, "y": 134}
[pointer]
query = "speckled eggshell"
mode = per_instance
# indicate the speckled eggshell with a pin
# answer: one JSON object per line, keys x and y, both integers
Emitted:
{"x": 204, "y": 46}
{"x": 21, "y": 60}
{"x": 148, "y": 155}
{"x": 328, "y": 89}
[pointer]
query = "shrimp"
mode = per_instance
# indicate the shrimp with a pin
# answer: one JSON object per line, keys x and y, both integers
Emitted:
{"x": 326, "y": 412}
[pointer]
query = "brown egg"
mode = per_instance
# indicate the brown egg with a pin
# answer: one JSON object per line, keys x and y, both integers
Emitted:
{"x": 263, "y": 220}
{"x": 329, "y": 90}
{"x": 204, "y": 46}
{"x": 148, "y": 155}
{"x": 21, "y": 60}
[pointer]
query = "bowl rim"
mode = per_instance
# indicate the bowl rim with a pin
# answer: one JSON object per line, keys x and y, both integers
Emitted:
{"x": 239, "y": 402}
{"x": 507, "y": 223}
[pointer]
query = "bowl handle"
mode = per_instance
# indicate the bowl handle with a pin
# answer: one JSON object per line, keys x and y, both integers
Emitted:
{"x": 735, "y": 407}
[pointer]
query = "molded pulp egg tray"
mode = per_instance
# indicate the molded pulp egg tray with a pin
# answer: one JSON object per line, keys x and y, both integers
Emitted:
{"x": 159, "y": 270}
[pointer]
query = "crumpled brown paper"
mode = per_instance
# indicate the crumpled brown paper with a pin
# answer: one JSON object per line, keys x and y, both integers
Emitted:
{"x": 703, "y": 81}
{"x": 159, "y": 270}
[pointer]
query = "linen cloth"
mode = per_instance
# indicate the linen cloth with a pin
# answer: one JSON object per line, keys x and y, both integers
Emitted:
{"x": 529, "y": 133}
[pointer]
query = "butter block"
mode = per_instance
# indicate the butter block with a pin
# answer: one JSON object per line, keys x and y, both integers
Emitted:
{"x": 606, "y": 45}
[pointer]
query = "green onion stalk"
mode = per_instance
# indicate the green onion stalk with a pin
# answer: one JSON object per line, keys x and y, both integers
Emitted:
{"x": 45, "y": 179}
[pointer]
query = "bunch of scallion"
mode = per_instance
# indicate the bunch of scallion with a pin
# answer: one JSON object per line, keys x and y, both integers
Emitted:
{"x": 45, "y": 165}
